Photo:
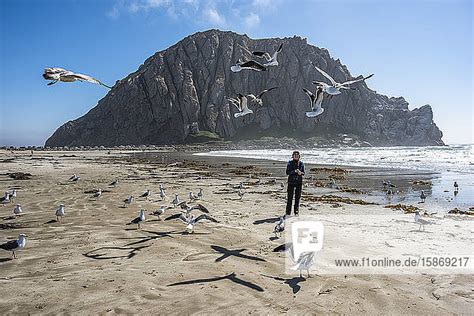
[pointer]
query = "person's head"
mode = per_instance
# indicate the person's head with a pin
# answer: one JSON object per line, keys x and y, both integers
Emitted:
{"x": 296, "y": 155}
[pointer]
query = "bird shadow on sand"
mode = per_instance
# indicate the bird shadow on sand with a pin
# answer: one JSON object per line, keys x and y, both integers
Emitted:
{"x": 106, "y": 253}
{"x": 144, "y": 239}
{"x": 5, "y": 260}
{"x": 231, "y": 277}
{"x": 51, "y": 222}
{"x": 294, "y": 283}
{"x": 236, "y": 253}
{"x": 420, "y": 231}
{"x": 266, "y": 220}
{"x": 273, "y": 238}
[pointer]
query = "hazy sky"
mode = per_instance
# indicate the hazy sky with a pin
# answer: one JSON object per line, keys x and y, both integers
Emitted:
{"x": 421, "y": 50}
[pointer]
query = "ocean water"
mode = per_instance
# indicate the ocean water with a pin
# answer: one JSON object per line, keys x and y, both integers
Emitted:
{"x": 444, "y": 164}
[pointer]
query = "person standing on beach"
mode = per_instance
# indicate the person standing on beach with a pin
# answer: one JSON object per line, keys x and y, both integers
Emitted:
{"x": 295, "y": 173}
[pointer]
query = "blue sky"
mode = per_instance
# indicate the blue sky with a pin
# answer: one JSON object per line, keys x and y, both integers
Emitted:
{"x": 421, "y": 50}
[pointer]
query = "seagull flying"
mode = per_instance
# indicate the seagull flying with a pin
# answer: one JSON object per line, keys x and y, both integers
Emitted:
{"x": 191, "y": 221}
{"x": 271, "y": 59}
{"x": 242, "y": 106}
{"x": 250, "y": 65}
{"x": 335, "y": 87}
{"x": 315, "y": 101}
{"x": 13, "y": 245}
{"x": 258, "y": 99}
{"x": 60, "y": 74}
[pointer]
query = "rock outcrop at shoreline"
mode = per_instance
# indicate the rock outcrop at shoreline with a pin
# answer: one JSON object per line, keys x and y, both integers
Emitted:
{"x": 178, "y": 96}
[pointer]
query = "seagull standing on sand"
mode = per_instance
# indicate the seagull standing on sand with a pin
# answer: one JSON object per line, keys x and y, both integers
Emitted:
{"x": 13, "y": 245}
{"x": 17, "y": 210}
{"x": 200, "y": 194}
{"x": 128, "y": 201}
{"x": 114, "y": 183}
{"x": 161, "y": 211}
{"x": 421, "y": 221}
{"x": 422, "y": 196}
{"x": 335, "y": 87}
{"x": 60, "y": 212}
{"x": 241, "y": 194}
{"x": 456, "y": 186}
{"x": 242, "y": 107}
{"x": 280, "y": 226}
{"x": 162, "y": 193}
{"x": 175, "y": 200}
{"x": 247, "y": 65}
{"x": 60, "y": 74}
{"x": 139, "y": 219}
{"x": 316, "y": 100}
{"x": 258, "y": 99}
{"x": 146, "y": 194}
{"x": 12, "y": 195}
{"x": 5, "y": 199}
{"x": 192, "y": 197}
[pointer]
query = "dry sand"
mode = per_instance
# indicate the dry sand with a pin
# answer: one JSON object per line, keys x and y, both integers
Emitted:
{"x": 91, "y": 262}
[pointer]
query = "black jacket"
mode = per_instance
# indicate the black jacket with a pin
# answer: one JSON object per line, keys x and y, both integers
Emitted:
{"x": 291, "y": 168}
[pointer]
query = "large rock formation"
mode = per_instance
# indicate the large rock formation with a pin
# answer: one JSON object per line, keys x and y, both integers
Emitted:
{"x": 181, "y": 91}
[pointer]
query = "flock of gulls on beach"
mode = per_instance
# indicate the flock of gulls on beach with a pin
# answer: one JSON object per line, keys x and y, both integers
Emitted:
{"x": 240, "y": 101}
{"x": 189, "y": 211}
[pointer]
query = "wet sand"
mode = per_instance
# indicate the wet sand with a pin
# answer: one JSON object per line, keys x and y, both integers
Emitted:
{"x": 92, "y": 262}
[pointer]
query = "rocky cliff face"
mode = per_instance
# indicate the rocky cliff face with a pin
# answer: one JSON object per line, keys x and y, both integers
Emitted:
{"x": 181, "y": 90}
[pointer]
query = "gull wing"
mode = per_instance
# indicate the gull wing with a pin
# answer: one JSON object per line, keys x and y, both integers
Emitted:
{"x": 325, "y": 75}
{"x": 275, "y": 54}
{"x": 203, "y": 217}
{"x": 262, "y": 55}
{"x": 357, "y": 80}
{"x": 82, "y": 77}
{"x": 310, "y": 95}
{"x": 259, "y": 96}
{"x": 200, "y": 207}
{"x": 252, "y": 64}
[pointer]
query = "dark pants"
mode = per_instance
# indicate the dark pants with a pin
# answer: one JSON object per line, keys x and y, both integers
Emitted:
{"x": 293, "y": 188}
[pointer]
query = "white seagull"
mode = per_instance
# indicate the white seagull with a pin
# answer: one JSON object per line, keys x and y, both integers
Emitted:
{"x": 161, "y": 211}
{"x": 12, "y": 195}
{"x": 175, "y": 200}
{"x": 242, "y": 106}
{"x": 60, "y": 212}
{"x": 421, "y": 221}
{"x": 162, "y": 193}
{"x": 128, "y": 201}
{"x": 98, "y": 194}
{"x": 335, "y": 87}
{"x": 280, "y": 226}
{"x": 146, "y": 194}
{"x": 139, "y": 219}
{"x": 271, "y": 59}
{"x": 60, "y": 74}
{"x": 5, "y": 199}
{"x": 192, "y": 197}
{"x": 249, "y": 65}
{"x": 13, "y": 245}
{"x": 191, "y": 221}
{"x": 17, "y": 210}
{"x": 258, "y": 99}
{"x": 315, "y": 101}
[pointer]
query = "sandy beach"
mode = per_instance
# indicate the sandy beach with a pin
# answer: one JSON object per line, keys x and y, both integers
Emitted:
{"x": 92, "y": 262}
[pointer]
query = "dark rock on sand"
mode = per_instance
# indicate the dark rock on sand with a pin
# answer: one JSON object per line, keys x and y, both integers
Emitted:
{"x": 178, "y": 96}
